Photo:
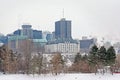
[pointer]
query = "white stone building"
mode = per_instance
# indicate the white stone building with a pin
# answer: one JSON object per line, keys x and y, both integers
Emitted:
{"x": 65, "y": 47}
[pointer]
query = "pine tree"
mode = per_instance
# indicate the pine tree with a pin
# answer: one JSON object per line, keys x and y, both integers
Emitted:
{"x": 102, "y": 55}
{"x": 93, "y": 55}
{"x": 111, "y": 56}
{"x": 80, "y": 63}
{"x": 85, "y": 57}
{"x": 77, "y": 58}
{"x": 93, "y": 60}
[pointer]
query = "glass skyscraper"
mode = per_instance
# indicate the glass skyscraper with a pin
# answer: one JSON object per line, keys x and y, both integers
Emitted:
{"x": 63, "y": 29}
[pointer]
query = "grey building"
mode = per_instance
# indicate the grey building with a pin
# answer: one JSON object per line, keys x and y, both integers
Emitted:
{"x": 86, "y": 44}
{"x": 27, "y": 31}
{"x": 3, "y": 39}
{"x": 63, "y": 29}
{"x": 49, "y": 37}
{"x": 37, "y": 34}
{"x": 17, "y": 32}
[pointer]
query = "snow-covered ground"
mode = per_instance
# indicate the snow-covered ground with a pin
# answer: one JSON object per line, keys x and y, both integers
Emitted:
{"x": 61, "y": 77}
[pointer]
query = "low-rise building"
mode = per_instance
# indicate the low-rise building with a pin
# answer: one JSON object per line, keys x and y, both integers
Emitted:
{"x": 86, "y": 44}
{"x": 63, "y": 47}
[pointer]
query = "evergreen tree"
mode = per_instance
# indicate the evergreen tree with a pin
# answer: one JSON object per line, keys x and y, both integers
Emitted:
{"x": 111, "y": 56}
{"x": 85, "y": 57}
{"x": 77, "y": 58}
{"x": 93, "y": 59}
{"x": 102, "y": 55}
{"x": 93, "y": 55}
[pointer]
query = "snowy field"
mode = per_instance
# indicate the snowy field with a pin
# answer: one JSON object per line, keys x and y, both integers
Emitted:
{"x": 61, "y": 77}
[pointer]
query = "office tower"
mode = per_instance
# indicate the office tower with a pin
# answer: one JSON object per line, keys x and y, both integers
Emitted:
{"x": 37, "y": 34}
{"x": 49, "y": 37}
{"x": 27, "y": 31}
{"x": 17, "y": 32}
{"x": 63, "y": 29}
{"x": 44, "y": 34}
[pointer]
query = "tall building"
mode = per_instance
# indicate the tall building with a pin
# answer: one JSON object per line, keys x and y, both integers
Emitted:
{"x": 49, "y": 37}
{"x": 27, "y": 31}
{"x": 3, "y": 39}
{"x": 37, "y": 34}
{"x": 17, "y": 32}
{"x": 63, "y": 29}
{"x": 16, "y": 42}
{"x": 53, "y": 35}
{"x": 44, "y": 34}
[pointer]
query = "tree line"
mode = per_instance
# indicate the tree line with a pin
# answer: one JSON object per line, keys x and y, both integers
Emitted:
{"x": 97, "y": 60}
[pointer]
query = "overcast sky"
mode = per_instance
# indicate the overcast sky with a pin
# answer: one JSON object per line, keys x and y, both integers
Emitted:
{"x": 99, "y": 18}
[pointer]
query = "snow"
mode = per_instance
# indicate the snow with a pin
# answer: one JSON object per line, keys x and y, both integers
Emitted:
{"x": 80, "y": 76}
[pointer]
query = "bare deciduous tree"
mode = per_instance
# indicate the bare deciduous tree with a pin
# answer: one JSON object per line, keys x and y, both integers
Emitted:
{"x": 57, "y": 63}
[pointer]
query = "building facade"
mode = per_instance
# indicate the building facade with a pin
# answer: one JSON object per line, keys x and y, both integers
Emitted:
{"x": 16, "y": 42}
{"x": 86, "y": 44}
{"x": 63, "y": 29}
{"x": 49, "y": 37}
{"x": 17, "y": 32}
{"x": 44, "y": 34}
{"x": 65, "y": 47}
{"x": 27, "y": 31}
{"x": 37, "y": 34}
